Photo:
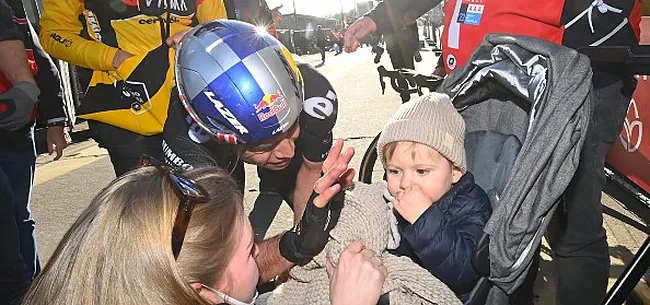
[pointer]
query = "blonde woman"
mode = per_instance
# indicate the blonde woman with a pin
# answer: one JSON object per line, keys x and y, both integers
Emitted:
{"x": 156, "y": 236}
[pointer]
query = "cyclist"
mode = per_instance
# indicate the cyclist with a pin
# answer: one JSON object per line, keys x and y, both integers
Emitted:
{"x": 247, "y": 101}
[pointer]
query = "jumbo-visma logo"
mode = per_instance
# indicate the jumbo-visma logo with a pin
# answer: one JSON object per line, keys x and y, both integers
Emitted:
{"x": 632, "y": 132}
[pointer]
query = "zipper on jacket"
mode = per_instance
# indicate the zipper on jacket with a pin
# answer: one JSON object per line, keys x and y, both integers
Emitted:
{"x": 165, "y": 26}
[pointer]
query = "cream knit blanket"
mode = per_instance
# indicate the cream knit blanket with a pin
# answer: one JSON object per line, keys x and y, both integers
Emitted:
{"x": 366, "y": 217}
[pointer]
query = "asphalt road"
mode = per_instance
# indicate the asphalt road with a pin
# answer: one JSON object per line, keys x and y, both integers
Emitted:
{"x": 64, "y": 188}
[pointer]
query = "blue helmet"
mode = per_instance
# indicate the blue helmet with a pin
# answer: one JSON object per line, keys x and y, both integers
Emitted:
{"x": 237, "y": 82}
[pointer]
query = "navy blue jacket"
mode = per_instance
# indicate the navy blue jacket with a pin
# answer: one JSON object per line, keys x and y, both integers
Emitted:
{"x": 443, "y": 239}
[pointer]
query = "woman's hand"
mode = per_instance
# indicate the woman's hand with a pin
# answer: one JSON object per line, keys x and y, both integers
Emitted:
{"x": 358, "y": 277}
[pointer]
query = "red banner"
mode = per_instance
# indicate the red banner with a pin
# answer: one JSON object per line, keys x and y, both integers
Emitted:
{"x": 631, "y": 154}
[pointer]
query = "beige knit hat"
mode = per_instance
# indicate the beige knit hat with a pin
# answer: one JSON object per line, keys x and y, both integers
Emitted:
{"x": 430, "y": 120}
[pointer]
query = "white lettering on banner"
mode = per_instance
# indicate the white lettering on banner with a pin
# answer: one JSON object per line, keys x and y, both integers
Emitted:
{"x": 628, "y": 129}
{"x": 320, "y": 107}
{"x": 226, "y": 113}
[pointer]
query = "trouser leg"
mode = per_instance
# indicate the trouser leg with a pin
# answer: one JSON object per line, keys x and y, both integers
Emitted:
{"x": 125, "y": 147}
{"x": 576, "y": 233}
{"x": 18, "y": 258}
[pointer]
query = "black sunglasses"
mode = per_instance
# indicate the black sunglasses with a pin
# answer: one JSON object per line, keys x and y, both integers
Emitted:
{"x": 189, "y": 194}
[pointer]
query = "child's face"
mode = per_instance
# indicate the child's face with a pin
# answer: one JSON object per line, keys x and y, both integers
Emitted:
{"x": 417, "y": 164}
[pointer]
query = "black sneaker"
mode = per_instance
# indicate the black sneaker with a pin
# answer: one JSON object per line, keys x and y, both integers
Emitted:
{"x": 418, "y": 56}
{"x": 378, "y": 51}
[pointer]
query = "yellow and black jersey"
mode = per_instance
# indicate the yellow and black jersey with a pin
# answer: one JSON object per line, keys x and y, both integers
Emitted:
{"x": 89, "y": 33}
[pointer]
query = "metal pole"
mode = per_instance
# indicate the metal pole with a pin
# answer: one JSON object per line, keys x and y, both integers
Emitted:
{"x": 342, "y": 16}
{"x": 293, "y": 28}
{"x": 630, "y": 276}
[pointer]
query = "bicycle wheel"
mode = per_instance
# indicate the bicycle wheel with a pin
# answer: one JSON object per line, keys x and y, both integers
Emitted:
{"x": 371, "y": 170}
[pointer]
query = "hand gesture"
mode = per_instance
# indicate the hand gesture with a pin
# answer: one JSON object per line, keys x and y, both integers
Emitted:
{"x": 357, "y": 32}
{"x": 411, "y": 203}
{"x": 276, "y": 15}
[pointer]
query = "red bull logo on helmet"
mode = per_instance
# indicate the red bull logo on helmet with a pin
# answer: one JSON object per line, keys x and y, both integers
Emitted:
{"x": 273, "y": 103}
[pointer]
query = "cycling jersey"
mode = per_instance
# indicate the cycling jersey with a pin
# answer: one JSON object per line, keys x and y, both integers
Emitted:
{"x": 186, "y": 145}
{"x": 88, "y": 33}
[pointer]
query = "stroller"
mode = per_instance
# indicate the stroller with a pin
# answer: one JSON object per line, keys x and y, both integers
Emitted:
{"x": 526, "y": 104}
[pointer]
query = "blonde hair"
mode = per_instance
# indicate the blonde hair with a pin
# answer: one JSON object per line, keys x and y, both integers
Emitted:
{"x": 119, "y": 249}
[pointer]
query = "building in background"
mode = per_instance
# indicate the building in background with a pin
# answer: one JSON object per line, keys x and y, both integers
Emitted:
{"x": 302, "y": 27}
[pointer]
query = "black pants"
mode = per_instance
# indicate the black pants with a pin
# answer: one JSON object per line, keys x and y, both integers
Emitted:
{"x": 19, "y": 263}
{"x": 576, "y": 234}
{"x": 401, "y": 57}
{"x": 321, "y": 49}
{"x": 125, "y": 147}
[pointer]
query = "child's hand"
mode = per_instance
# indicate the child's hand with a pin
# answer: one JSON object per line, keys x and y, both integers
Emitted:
{"x": 411, "y": 203}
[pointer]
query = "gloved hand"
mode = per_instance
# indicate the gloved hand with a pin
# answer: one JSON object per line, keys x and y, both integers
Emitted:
{"x": 310, "y": 235}
{"x": 17, "y": 105}
{"x": 308, "y": 238}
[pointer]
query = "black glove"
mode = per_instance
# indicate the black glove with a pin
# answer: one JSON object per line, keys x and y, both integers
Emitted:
{"x": 17, "y": 105}
{"x": 308, "y": 238}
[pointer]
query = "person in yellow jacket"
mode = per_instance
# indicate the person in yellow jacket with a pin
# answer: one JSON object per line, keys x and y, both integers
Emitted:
{"x": 125, "y": 63}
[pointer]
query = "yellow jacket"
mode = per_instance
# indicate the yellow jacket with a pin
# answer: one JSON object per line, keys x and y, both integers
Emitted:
{"x": 89, "y": 33}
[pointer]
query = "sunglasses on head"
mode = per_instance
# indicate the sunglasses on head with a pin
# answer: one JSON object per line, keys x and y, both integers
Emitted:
{"x": 189, "y": 194}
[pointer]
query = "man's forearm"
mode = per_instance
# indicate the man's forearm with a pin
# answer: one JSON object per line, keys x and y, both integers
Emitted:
{"x": 307, "y": 176}
{"x": 391, "y": 14}
{"x": 13, "y": 62}
{"x": 269, "y": 260}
